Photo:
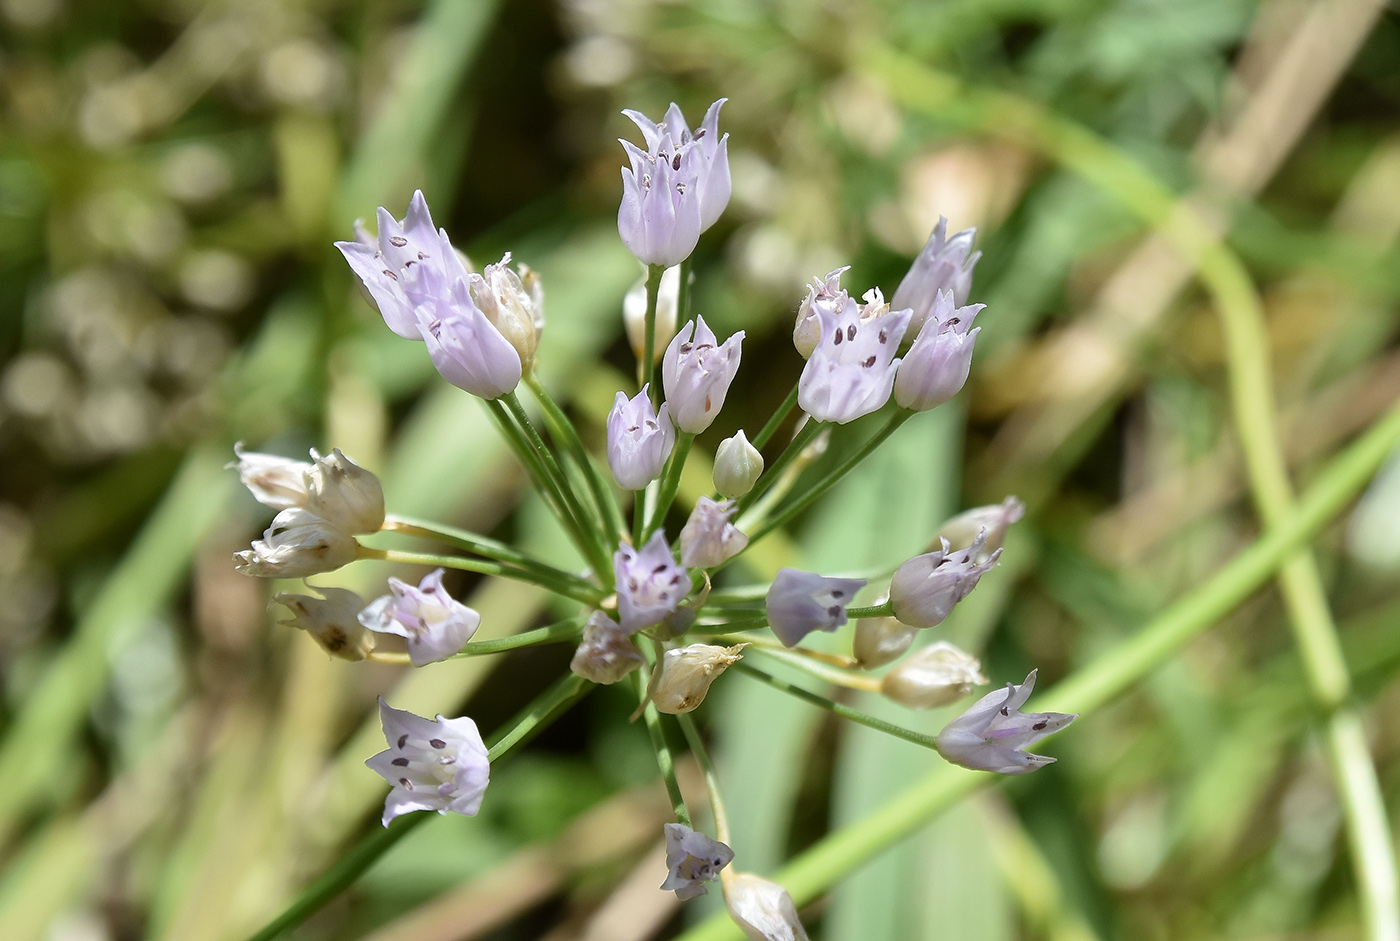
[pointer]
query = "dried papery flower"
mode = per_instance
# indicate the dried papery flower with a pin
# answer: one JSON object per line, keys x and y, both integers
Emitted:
{"x": 994, "y": 519}
{"x": 692, "y": 859}
{"x": 925, "y": 589}
{"x": 994, "y": 733}
{"x": 607, "y": 653}
{"x": 332, "y": 620}
{"x": 942, "y": 265}
{"x": 275, "y": 481}
{"x": 762, "y": 909}
{"x": 708, "y": 538}
{"x": 649, "y": 583}
{"x": 640, "y": 439}
{"x": 686, "y": 674}
{"x": 936, "y": 675}
{"x": 344, "y": 494}
{"x": 434, "y": 624}
{"x": 513, "y": 302}
{"x": 676, "y": 188}
{"x": 436, "y": 764}
{"x": 936, "y": 367}
{"x": 297, "y": 544}
{"x": 738, "y": 465}
{"x": 851, "y": 371}
{"x": 634, "y": 314}
{"x": 801, "y": 602}
{"x": 696, "y": 374}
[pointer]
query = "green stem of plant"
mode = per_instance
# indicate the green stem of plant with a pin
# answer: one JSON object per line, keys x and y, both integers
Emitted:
{"x": 569, "y": 587}
{"x": 534, "y": 718}
{"x": 648, "y": 363}
{"x": 776, "y": 420}
{"x": 564, "y": 430}
{"x": 555, "y": 633}
{"x": 707, "y": 767}
{"x": 530, "y": 460}
{"x": 482, "y": 545}
{"x": 1111, "y": 674}
{"x": 871, "y": 611}
{"x": 670, "y": 482}
{"x": 772, "y": 473}
{"x": 664, "y": 760}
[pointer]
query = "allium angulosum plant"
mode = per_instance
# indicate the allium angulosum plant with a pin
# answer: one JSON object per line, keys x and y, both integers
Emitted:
{"x": 649, "y": 616}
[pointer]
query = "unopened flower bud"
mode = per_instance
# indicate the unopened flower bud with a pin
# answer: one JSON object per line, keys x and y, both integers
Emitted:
{"x": 925, "y": 589}
{"x": 607, "y": 653}
{"x": 344, "y": 494}
{"x": 332, "y": 620}
{"x": 297, "y": 544}
{"x": 738, "y": 465}
{"x": 879, "y": 641}
{"x": 275, "y": 481}
{"x": 435, "y": 624}
{"x": 639, "y": 440}
{"x": 697, "y": 372}
{"x": 634, "y": 314}
{"x": 513, "y": 302}
{"x": 708, "y": 538}
{"x": 762, "y": 909}
{"x": 692, "y": 859}
{"x": 649, "y": 583}
{"x": 686, "y": 675}
{"x": 936, "y": 367}
{"x": 936, "y": 675}
{"x": 801, "y": 602}
{"x": 995, "y": 519}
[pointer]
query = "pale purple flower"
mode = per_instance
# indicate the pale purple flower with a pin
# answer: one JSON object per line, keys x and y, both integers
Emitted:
{"x": 466, "y": 348}
{"x": 709, "y": 538}
{"x": 402, "y": 254}
{"x": 606, "y": 653}
{"x": 297, "y": 544}
{"x": 852, "y": 369}
{"x": 433, "y": 764}
{"x": 825, "y": 297}
{"x": 435, "y": 624}
{"x": 639, "y": 440}
{"x": 275, "y": 481}
{"x": 649, "y": 583}
{"x": 693, "y": 859}
{"x": 676, "y": 188}
{"x": 696, "y": 374}
{"x": 925, "y": 589}
{"x": 801, "y": 602}
{"x": 344, "y": 494}
{"x": 935, "y": 368}
{"x": 994, "y": 733}
{"x": 332, "y": 620}
{"x": 943, "y": 265}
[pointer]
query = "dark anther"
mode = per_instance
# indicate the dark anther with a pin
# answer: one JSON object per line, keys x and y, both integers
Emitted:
{"x": 676, "y": 162}
{"x": 686, "y": 347}
{"x": 400, "y": 762}
{"x": 838, "y": 338}
{"x": 952, "y": 321}
{"x": 869, "y": 362}
{"x": 1039, "y": 725}
{"x": 659, "y": 569}
{"x": 406, "y": 783}
{"x": 422, "y": 256}
{"x": 834, "y": 611}
{"x": 1004, "y": 712}
{"x": 403, "y": 740}
{"x": 851, "y": 332}
{"x": 391, "y": 274}
{"x": 398, "y": 241}
{"x": 884, "y": 337}
{"x": 437, "y": 743}
{"x": 838, "y": 593}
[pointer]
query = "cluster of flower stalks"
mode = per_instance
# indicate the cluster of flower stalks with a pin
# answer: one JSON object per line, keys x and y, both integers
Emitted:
{"x": 647, "y": 592}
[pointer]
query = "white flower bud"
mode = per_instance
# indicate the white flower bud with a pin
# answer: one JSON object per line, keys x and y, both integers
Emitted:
{"x": 331, "y": 620}
{"x": 344, "y": 494}
{"x": 514, "y": 303}
{"x": 686, "y": 675}
{"x": 763, "y": 909}
{"x": 634, "y": 313}
{"x": 738, "y": 466}
{"x": 879, "y": 641}
{"x": 937, "y": 675}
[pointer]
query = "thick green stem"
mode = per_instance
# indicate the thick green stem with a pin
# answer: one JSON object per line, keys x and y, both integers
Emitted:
{"x": 568, "y": 586}
{"x": 670, "y": 482}
{"x": 776, "y": 420}
{"x": 535, "y": 717}
{"x": 1111, "y": 674}
{"x": 702, "y": 757}
{"x": 664, "y": 760}
{"x": 528, "y": 458}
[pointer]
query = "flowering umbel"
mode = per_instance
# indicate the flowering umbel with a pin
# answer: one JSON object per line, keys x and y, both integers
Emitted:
{"x": 936, "y": 367}
{"x": 692, "y": 859}
{"x": 925, "y": 589}
{"x": 434, "y": 764}
{"x": 801, "y": 602}
{"x": 649, "y": 583}
{"x": 676, "y": 188}
{"x": 696, "y": 374}
{"x": 639, "y": 439}
{"x": 435, "y": 624}
{"x": 852, "y": 369}
{"x": 994, "y": 734}
{"x": 943, "y": 265}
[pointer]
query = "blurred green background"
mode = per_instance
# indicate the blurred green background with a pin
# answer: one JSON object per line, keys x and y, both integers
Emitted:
{"x": 175, "y": 765}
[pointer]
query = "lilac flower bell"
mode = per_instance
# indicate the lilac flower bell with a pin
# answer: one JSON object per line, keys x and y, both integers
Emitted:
{"x": 693, "y": 859}
{"x": 606, "y": 653}
{"x": 925, "y": 589}
{"x": 639, "y": 440}
{"x": 994, "y": 734}
{"x": 708, "y": 538}
{"x": 852, "y": 369}
{"x": 435, "y": 624}
{"x": 649, "y": 583}
{"x": 676, "y": 188}
{"x": 466, "y": 348}
{"x": 696, "y": 374}
{"x": 943, "y": 265}
{"x": 433, "y": 764}
{"x": 801, "y": 602}
{"x": 936, "y": 367}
